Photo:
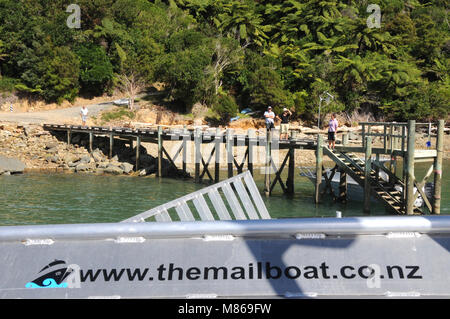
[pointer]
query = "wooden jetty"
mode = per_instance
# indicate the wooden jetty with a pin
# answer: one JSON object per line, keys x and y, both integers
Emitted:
{"x": 398, "y": 143}
{"x": 198, "y": 137}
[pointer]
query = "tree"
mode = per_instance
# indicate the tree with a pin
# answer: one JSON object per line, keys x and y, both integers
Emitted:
{"x": 131, "y": 83}
{"x": 241, "y": 21}
{"x": 184, "y": 74}
{"x": 96, "y": 70}
{"x": 225, "y": 107}
{"x": 2, "y": 56}
{"x": 267, "y": 88}
{"x": 60, "y": 81}
{"x": 50, "y": 72}
{"x": 227, "y": 54}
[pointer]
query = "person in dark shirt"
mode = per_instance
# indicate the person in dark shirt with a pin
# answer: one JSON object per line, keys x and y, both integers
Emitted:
{"x": 285, "y": 117}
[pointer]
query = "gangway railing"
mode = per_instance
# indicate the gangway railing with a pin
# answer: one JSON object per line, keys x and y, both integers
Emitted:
{"x": 235, "y": 198}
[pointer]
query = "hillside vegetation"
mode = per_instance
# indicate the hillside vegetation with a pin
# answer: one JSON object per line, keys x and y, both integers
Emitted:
{"x": 234, "y": 54}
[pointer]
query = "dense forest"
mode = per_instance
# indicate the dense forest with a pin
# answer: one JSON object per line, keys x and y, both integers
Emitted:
{"x": 234, "y": 54}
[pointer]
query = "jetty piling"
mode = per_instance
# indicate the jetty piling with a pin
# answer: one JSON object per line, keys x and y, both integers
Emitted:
{"x": 367, "y": 173}
{"x": 437, "y": 165}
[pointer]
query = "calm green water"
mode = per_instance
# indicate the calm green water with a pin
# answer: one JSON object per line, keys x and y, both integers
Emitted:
{"x": 74, "y": 198}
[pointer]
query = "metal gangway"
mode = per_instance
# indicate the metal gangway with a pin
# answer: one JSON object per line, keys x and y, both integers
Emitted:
{"x": 236, "y": 198}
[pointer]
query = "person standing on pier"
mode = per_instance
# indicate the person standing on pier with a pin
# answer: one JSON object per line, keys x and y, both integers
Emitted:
{"x": 285, "y": 117}
{"x": 84, "y": 112}
{"x": 332, "y": 129}
{"x": 270, "y": 117}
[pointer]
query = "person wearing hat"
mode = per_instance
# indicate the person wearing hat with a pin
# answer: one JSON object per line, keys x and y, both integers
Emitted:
{"x": 270, "y": 117}
{"x": 285, "y": 117}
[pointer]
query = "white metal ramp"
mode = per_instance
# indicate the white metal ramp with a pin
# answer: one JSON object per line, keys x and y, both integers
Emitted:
{"x": 236, "y": 198}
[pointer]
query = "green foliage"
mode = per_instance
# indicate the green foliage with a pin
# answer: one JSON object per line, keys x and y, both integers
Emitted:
{"x": 267, "y": 89}
{"x": 424, "y": 102}
{"x": 117, "y": 114}
{"x": 184, "y": 74}
{"x": 50, "y": 72}
{"x": 282, "y": 53}
{"x": 95, "y": 68}
{"x": 60, "y": 80}
{"x": 7, "y": 84}
{"x": 226, "y": 108}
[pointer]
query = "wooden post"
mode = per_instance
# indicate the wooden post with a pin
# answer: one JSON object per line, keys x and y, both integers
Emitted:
{"x": 185, "y": 138}
{"x": 268, "y": 162}
{"x": 394, "y": 166}
{"x": 291, "y": 167}
{"x": 69, "y": 136}
{"x": 403, "y": 138}
{"x": 367, "y": 170}
{"x": 344, "y": 139}
{"x": 138, "y": 150}
{"x": 229, "y": 146}
{"x": 130, "y": 141}
{"x": 160, "y": 152}
{"x": 91, "y": 141}
{"x": 409, "y": 205}
{"x": 198, "y": 154}
{"x": 363, "y": 135}
{"x": 111, "y": 145}
{"x": 319, "y": 163}
{"x": 377, "y": 168}
{"x": 391, "y": 138}
{"x": 251, "y": 143}
{"x": 438, "y": 169}
{"x": 218, "y": 144}
{"x": 342, "y": 186}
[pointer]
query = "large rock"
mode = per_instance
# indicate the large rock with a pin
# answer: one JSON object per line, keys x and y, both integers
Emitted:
{"x": 126, "y": 167}
{"x": 112, "y": 169}
{"x": 73, "y": 164}
{"x": 86, "y": 159}
{"x": 71, "y": 158}
{"x": 83, "y": 167}
{"x": 11, "y": 165}
{"x": 51, "y": 145}
{"x": 97, "y": 155}
{"x": 102, "y": 165}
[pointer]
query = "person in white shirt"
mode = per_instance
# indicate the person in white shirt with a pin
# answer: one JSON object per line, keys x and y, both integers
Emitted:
{"x": 84, "y": 112}
{"x": 270, "y": 117}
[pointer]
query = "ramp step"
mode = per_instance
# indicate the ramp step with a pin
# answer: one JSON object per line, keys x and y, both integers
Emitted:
{"x": 382, "y": 189}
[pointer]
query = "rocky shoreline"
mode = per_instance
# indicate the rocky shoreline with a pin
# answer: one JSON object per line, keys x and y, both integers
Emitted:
{"x": 29, "y": 148}
{"x": 33, "y": 149}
